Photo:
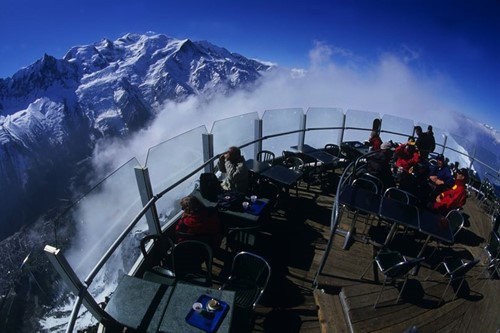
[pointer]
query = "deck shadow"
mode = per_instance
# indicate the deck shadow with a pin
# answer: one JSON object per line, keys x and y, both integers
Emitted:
{"x": 282, "y": 320}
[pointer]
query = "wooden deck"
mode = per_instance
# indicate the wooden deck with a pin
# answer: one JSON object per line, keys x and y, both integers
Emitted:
{"x": 343, "y": 302}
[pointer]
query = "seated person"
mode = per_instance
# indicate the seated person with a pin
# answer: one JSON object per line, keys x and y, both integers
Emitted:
{"x": 440, "y": 176}
{"x": 374, "y": 142}
{"x": 453, "y": 197}
{"x": 232, "y": 163}
{"x": 199, "y": 223}
{"x": 378, "y": 164}
{"x": 407, "y": 155}
{"x": 416, "y": 183}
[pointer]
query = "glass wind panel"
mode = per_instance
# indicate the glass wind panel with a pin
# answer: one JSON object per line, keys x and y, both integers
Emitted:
{"x": 91, "y": 226}
{"x": 400, "y": 128}
{"x": 456, "y": 151}
{"x": 280, "y": 121}
{"x": 169, "y": 162}
{"x": 324, "y": 117}
{"x": 359, "y": 119}
{"x": 235, "y": 131}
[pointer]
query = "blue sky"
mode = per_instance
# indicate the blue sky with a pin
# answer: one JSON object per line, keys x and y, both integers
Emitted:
{"x": 457, "y": 40}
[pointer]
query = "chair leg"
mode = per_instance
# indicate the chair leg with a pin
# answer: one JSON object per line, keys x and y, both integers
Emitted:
{"x": 458, "y": 289}
{"x": 401, "y": 291}
{"x": 435, "y": 268}
{"x": 366, "y": 269}
{"x": 445, "y": 289}
{"x": 380, "y": 293}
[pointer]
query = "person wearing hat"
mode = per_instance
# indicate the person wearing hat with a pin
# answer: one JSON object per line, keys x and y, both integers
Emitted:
{"x": 440, "y": 176}
{"x": 453, "y": 197}
{"x": 407, "y": 155}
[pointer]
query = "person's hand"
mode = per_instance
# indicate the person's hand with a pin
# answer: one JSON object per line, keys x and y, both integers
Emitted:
{"x": 438, "y": 198}
{"x": 222, "y": 158}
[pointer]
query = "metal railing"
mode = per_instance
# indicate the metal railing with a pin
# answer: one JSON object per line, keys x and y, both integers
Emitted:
{"x": 80, "y": 289}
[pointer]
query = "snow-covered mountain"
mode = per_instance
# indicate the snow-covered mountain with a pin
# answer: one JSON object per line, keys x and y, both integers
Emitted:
{"x": 53, "y": 112}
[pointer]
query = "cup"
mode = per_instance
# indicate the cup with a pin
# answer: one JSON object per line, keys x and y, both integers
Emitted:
{"x": 253, "y": 198}
{"x": 245, "y": 204}
{"x": 198, "y": 307}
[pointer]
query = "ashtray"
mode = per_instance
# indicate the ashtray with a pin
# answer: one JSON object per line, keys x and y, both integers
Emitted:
{"x": 213, "y": 305}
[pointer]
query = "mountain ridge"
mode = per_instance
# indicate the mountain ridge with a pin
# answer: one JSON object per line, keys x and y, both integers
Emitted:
{"x": 54, "y": 111}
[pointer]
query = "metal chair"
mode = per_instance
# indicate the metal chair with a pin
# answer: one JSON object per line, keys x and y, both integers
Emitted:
{"x": 394, "y": 266}
{"x": 456, "y": 269}
{"x": 397, "y": 194}
{"x": 333, "y": 149}
{"x": 249, "y": 277}
{"x": 295, "y": 163}
{"x": 492, "y": 251}
{"x": 243, "y": 239}
{"x": 189, "y": 257}
{"x": 163, "y": 247}
{"x": 265, "y": 156}
{"x": 456, "y": 221}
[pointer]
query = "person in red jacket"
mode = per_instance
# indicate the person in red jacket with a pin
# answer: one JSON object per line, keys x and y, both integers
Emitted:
{"x": 198, "y": 222}
{"x": 407, "y": 155}
{"x": 375, "y": 141}
{"x": 453, "y": 197}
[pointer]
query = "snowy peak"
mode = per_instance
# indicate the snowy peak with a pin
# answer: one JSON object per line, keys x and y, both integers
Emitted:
{"x": 57, "y": 109}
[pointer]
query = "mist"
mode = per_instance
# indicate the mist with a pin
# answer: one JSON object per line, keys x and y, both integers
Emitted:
{"x": 334, "y": 78}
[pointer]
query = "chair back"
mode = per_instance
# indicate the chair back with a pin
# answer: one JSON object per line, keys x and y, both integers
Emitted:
{"x": 189, "y": 257}
{"x": 463, "y": 269}
{"x": 366, "y": 184}
{"x": 295, "y": 163}
{"x": 268, "y": 190}
{"x": 456, "y": 221}
{"x": 266, "y": 156}
{"x": 332, "y": 149}
{"x": 243, "y": 239}
{"x": 402, "y": 268}
{"x": 397, "y": 194}
{"x": 493, "y": 246}
{"x": 162, "y": 247}
{"x": 249, "y": 277}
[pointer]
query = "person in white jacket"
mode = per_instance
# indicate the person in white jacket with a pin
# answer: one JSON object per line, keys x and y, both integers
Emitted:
{"x": 232, "y": 163}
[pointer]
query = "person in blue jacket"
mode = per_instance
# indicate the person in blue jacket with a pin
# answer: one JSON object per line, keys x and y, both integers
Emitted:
{"x": 440, "y": 176}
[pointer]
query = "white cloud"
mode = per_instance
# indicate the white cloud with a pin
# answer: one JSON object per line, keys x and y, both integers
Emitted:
{"x": 387, "y": 85}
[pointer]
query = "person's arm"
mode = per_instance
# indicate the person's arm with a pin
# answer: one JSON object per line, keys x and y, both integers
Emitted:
{"x": 221, "y": 164}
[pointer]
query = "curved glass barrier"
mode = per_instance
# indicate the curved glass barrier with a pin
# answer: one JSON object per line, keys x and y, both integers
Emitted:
{"x": 395, "y": 125}
{"x": 362, "y": 120}
{"x": 235, "y": 131}
{"x": 324, "y": 117}
{"x": 169, "y": 162}
{"x": 281, "y": 121}
{"x": 95, "y": 222}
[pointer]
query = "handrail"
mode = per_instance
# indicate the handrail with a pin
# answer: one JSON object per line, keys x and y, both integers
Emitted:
{"x": 334, "y": 217}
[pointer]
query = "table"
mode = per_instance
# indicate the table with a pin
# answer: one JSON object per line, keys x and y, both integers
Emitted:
{"x": 434, "y": 225}
{"x": 257, "y": 166}
{"x": 362, "y": 201}
{"x": 357, "y": 146}
{"x": 318, "y": 154}
{"x": 138, "y": 303}
{"x": 181, "y": 301}
{"x": 282, "y": 175}
{"x": 398, "y": 213}
{"x": 251, "y": 215}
